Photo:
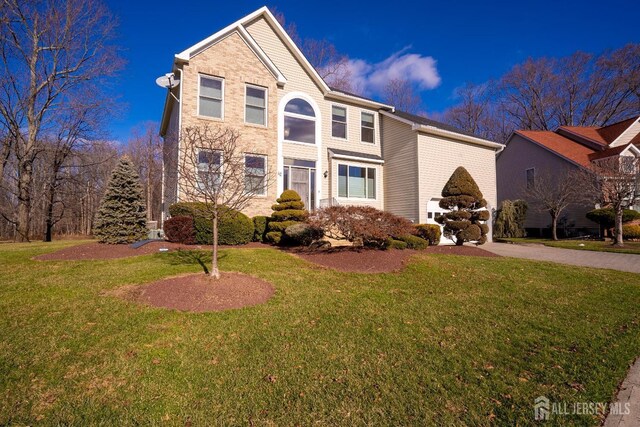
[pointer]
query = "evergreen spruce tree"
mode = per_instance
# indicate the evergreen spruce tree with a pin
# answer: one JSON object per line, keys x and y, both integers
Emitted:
{"x": 465, "y": 220}
{"x": 122, "y": 216}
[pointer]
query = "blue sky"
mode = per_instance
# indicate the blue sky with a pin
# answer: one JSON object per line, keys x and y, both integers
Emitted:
{"x": 469, "y": 41}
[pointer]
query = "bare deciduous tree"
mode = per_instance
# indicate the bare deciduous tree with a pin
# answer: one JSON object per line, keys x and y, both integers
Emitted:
{"x": 399, "y": 93}
{"x": 145, "y": 150}
{"x": 552, "y": 193}
{"x": 212, "y": 170}
{"x": 613, "y": 182}
{"x": 48, "y": 51}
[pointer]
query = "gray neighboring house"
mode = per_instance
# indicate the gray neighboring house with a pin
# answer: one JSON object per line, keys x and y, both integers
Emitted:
{"x": 528, "y": 154}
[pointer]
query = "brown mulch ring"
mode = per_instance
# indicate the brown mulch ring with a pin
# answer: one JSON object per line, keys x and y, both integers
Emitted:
{"x": 98, "y": 251}
{"x": 200, "y": 293}
{"x": 359, "y": 260}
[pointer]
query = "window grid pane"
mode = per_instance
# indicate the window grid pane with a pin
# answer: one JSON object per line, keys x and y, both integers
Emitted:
{"x": 367, "y": 127}
{"x": 255, "y": 172}
{"x": 339, "y": 122}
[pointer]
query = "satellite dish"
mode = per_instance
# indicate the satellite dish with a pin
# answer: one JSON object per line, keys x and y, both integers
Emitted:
{"x": 168, "y": 81}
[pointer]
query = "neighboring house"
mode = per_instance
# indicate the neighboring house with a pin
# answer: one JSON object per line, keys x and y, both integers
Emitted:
{"x": 531, "y": 153}
{"x": 331, "y": 146}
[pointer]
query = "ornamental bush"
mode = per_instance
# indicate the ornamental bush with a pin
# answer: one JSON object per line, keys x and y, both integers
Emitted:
{"x": 302, "y": 234}
{"x": 122, "y": 216}
{"x": 234, "y": 227}
{"x": 287, "y": 212}
{"x": 360, "y": 223}
{"x": 392, "y": 243}
{"x": 179, "y": 229}
{"x": 429, "y": 232}
{"x": 510, "y": 218}
{"x": 464, "y": 220}
{"x": 260, "y": 227}
{"x": 414, "y": 242}
{"x": 631, "y": 232}
{"x": 606, "y": 217}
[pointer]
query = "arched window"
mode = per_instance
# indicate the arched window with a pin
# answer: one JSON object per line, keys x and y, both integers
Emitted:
{"x": 299, "y": 122}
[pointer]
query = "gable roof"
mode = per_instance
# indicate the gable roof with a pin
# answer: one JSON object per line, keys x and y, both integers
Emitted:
{"x": 588, "y": 132}
{"x": 609, "y": 152}
{"x": 429, "y": 122}
{"x": 558, "y": 144}
{"x": 611, "y": 132}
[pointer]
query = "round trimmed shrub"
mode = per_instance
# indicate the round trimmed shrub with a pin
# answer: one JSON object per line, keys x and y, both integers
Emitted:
{"x": 273, "y": 237}
{"x": 414, "y": 242}
{"x": 260, "y": 227}
{"x": 395, "y": 244}
{"x": 288, "y": 211}
{"x": 302, "y": 234}
{"x": 429, "y": 232}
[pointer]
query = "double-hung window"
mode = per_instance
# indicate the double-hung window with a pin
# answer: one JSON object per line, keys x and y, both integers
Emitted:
{"x": 209, "y": 169}
{"x": 356, "y": 182}
{"x": 367, "y": 127}
{"x": 531, "y": 178}
{"x": 255, "y": 173}
{"x": 210, "y": 97}
{"x": 339, "y": 122}
{"x": 256, "y": 105}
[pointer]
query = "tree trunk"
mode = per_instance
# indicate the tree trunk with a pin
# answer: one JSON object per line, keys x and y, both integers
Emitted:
{"x": 24, "y": 201}
{"x": 617, "y": 234}
{"x": 554, "y": 227}
{"x": 215, "y": 273}
{"x": 48, "y": 227}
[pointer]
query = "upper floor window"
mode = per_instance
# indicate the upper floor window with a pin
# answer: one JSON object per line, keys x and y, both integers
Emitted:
{"x": 210, "y": 97}
{"x": 299, "y": 122}
{"x": 209, "y": 169}
{"x": 367, "y": 127}
{"x": 255, "y": 173}
{"x": 531, "y": 178}
{"x": 338, "y": 122}
{"x": 256, "y": 105}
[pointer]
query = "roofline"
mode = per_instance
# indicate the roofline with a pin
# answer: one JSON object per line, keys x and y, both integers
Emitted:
{"x": 356, "y": 158}
{"x": 596, "y": 144}
{"x": 368, "y": 102}
{"x": 546, "y": 148}
{"x": 418, "y": 127}
{"x": 238, "y": 27}
{"x": 636, "y": 119}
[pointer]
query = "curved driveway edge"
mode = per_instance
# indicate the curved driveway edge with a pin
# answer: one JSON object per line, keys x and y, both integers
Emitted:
{"x": 628, "y": 401}
{"x": 614, "y": 261}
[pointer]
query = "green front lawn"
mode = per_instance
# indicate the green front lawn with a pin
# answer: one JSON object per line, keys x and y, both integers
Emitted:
{"x": 450, "y": 340}
{"x": 585, "y": 245}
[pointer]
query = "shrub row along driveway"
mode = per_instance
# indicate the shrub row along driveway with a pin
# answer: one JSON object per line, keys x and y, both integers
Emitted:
{"x": 615, "y": 261}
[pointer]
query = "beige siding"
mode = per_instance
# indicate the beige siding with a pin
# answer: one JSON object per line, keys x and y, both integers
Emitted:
{"x": 298, "y": 80}
{"x": 628, "y": 135}
{"x": 520, "y": 155}
{"x": 233, "y": 60}
{"x": 438, "y": 158}
{"x": 401, "y": 168}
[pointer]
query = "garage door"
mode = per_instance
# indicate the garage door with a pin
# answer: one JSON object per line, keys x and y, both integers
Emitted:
{"x": 433, "y": 210}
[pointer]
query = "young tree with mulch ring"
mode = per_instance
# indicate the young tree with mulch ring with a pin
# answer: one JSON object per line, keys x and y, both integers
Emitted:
{"x": 465, "y": 220}
{"x": 122, "y": 217}
{"x": 215, "y": 171}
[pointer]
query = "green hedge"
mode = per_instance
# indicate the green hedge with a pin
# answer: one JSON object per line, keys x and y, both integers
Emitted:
{"x": 395, "y": 244}
{"x": 260, "y": 227}
{"x": 414, "y": 242}
{"x": 631, "y": 231}
{"x": 429, "y": 232}
{"x": 234, "y": 227}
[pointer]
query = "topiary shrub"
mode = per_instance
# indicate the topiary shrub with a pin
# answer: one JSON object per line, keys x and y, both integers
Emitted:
{"x": 414, "y": 242}
{"x": 179, "y": 229}
{"x": 122, "y": 216}
{"x": 234, "y": 227}
{"x": 288, "y": 211}
{"x": 463, "y": 199}
{"x": 391, "y": 243}
{"x": 631, "y": 232}
{"x": 429, "y": 232}
{"x": 363, "y": 224}
{"x": 302, "y": 234}
{"x": 260, "y": 227}
{"x": 273, "y": 237}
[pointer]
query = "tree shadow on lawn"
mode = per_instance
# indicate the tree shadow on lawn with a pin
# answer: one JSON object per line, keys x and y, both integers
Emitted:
{"x": 193, "y": 257}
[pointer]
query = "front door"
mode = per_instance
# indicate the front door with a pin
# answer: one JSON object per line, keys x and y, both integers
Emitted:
{"x": 300, "y": 184}
{"x": 300, "y": 176}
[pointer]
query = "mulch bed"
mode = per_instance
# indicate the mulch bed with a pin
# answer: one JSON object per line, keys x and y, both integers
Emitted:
{"x": 358, "y": 260}
{"x": 200, "y": 293}
{"x": 98, "y": 251}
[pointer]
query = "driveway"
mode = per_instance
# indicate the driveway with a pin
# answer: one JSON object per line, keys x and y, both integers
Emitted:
{"x": 614, "y": 261}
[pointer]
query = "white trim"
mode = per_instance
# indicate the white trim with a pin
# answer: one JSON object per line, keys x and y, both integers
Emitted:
{"x": 222, "y": 85}
{"x": 346, "y": 121}
{"x": 445, "y": 133}
{"x": 614, "y": 143}
{"x": 355, "y": 158}
{"x": 318, "y": 121}
{"x": 237, "y": 26}
{"x": 179, "y": 136}
{"x": 356, "y": 199}
{"x": 358, "y": 100}
{"x": 372, "y": 114}
{"x": 266, "y": 104}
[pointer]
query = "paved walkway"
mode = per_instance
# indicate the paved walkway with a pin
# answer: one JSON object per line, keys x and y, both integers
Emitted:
{"x": 626, "y": 411}
{"x": 614, "y": 261}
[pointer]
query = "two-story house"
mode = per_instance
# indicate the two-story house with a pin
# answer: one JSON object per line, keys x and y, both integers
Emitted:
{"x": 331, "y": 146}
